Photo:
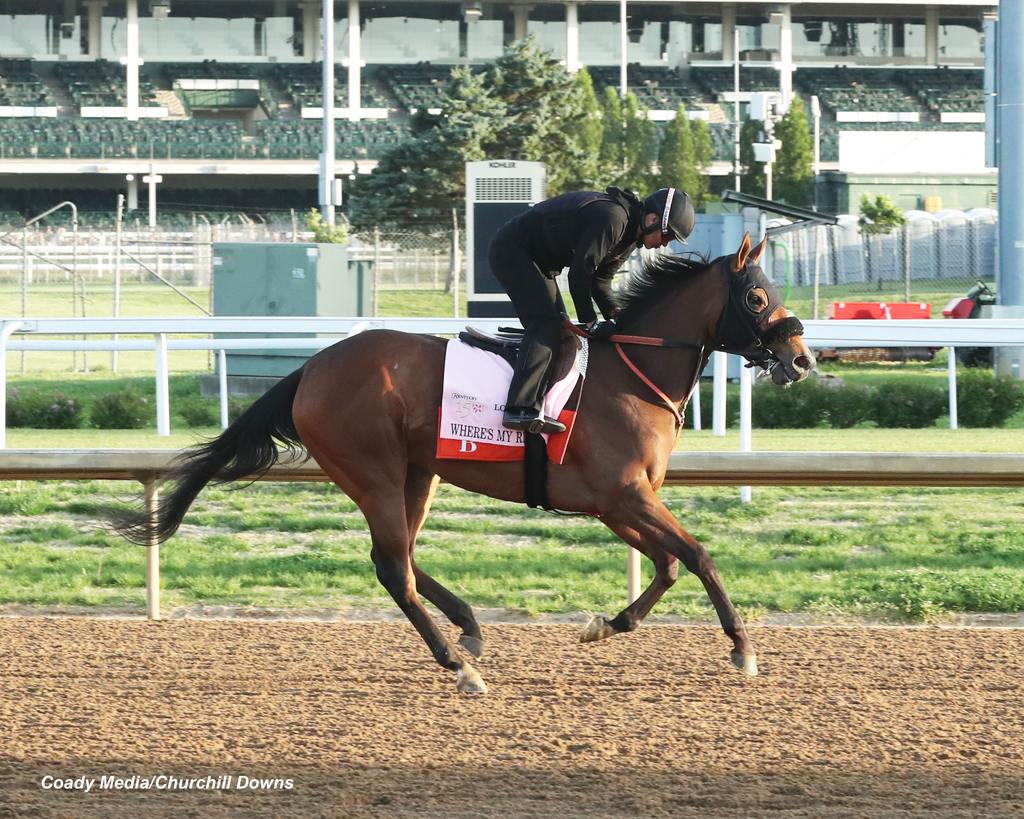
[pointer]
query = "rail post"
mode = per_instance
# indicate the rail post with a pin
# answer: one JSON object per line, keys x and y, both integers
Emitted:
{"x": 152, "y": 551}
{"x": 953, "y": 420}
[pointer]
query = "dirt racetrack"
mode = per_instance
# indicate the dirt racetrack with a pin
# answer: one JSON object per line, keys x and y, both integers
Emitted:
{"x": 850, "y": 722}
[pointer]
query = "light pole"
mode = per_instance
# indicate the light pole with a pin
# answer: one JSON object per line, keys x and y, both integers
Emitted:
{"x": 623, "y": 47}
{"x": 327, "y": 148}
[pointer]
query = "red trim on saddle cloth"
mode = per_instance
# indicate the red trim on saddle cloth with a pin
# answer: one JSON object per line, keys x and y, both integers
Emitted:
{"x": 462, "y": 449}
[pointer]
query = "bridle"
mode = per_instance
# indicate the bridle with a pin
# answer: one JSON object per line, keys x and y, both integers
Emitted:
{"x": 738, "y": 332}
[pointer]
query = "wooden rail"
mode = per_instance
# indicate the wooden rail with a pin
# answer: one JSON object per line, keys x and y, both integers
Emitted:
{"x": 150, "y": 466}
{"x": 686, "y": 468}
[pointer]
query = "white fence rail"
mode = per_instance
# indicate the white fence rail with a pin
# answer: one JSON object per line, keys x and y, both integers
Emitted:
{"x": 15, "y": 334}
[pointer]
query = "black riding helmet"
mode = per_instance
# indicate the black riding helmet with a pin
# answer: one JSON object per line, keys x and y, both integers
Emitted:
{"x": 674, "y": 211}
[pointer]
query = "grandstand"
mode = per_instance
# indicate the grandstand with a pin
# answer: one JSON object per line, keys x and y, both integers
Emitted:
{"x": 237, "y": 98}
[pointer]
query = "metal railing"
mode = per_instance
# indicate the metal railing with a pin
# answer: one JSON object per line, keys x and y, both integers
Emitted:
{"x": 896, "y": 333}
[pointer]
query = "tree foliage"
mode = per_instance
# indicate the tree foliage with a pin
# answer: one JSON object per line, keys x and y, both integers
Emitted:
{"x": 588, "y": 133}
{"x": 879, "y": 216}
{"x": 523, "y": 106}
{"x": 751, "y": 171}
{"x": 677, "y": 159}
{"x": 793, "y": 180}
{"x": 703, "y": 151}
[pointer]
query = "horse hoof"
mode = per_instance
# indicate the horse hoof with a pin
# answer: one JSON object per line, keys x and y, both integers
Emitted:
{"x": 747, "y": 663}
{"x": 597, "y": 629}
{"x": 474, "y": 645}
{"x": 468, "y": 681}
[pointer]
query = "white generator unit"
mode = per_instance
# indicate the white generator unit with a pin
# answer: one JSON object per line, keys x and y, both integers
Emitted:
{"x": 496, "y": 191}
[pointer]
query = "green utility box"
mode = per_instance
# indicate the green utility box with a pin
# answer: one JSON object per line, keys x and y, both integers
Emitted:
{"x": 278, "y": 279}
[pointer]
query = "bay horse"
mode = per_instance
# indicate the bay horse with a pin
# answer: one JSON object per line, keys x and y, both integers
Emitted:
{"x": 366, "y": 409}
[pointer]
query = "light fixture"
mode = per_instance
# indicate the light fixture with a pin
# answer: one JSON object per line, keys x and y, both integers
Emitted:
{"x": 161, "y": 9}
{"x": 472, "y": 10}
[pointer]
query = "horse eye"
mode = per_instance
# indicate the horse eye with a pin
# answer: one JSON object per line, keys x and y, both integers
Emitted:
{"x": 757, "y": 299}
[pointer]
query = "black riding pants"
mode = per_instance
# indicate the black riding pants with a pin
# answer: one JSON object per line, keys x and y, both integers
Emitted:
{"x": 539, "y": 306}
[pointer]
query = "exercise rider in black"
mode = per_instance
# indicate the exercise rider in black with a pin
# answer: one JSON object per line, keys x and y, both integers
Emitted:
{"x": 591, "y": 233}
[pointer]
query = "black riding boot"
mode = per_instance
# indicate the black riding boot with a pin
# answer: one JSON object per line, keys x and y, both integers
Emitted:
{"x": 530, "y": 380}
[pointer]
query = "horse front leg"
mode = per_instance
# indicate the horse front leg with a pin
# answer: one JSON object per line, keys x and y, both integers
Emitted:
{"x": 642, "y": 511}
{"x": 666, "y": 570}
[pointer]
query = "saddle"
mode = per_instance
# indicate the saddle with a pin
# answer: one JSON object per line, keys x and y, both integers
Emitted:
{"x": 506, "y": 343}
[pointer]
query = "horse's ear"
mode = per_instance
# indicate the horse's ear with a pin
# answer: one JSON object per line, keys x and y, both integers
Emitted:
{"x": 755, "y": 254}
{"x": 739, "y": 261}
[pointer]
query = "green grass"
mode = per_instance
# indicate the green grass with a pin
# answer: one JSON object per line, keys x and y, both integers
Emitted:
{"x": 913, "y": 554}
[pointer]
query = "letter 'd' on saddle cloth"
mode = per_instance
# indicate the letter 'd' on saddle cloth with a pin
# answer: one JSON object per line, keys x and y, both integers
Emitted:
{"x": 475, "y": 387}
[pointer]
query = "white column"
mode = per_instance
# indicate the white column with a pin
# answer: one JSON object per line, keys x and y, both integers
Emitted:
{"x": 327, "y": 146}
{"x": 785, "y": 20}
{"x": 355, "y": 61}
{"x": 931, "y": 35}
{"x": 521, "y": 20}
{"x": 746, "y": 437}
{"x": 152, "y": 179}
{"x": 954, "y": 422}
{"x": 572, "y": 37}
{"x": 163, "y": 392}
{"x": 623, "y": 48}
{"x": 7, "y": 328}
{"x": 310, "y": 32}
{"x": 132, "y": 61}
{"x": 152, "y": 553}
{"x": 720, "y": 383}
{"x": 95, "y": 29}
{"x": 728, "y": 32}
{"x": 133, "y": 192}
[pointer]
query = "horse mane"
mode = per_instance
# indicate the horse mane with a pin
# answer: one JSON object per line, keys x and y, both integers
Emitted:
{"x": 654, "y": 280}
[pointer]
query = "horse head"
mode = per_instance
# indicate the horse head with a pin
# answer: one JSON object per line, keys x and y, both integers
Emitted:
{"x": 756, "y": 325}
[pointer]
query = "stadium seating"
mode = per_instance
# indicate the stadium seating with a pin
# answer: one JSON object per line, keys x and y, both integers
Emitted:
{"x": 656, "y": 89}
{"x": 856, "y": 89}
{"x": 20, "y": 85}
{"x": 715, "y": 80}
{"x": 414, "y": 86}
{"x": 942, "y": 90}
{"x": 100, "y": 83}
{"x": 304, "y": 83}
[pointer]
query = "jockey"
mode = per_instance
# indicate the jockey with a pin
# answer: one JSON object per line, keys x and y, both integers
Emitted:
{"x": 592, "y": 234}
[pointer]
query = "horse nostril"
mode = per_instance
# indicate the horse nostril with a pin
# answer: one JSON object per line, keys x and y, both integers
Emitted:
{"x": 803, "y": 363}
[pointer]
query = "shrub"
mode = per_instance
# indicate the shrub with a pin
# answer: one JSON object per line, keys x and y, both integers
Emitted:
{"x": 198, "y": 412}
{"x": 984, "y": 399}
{"x": 239, "y": 404}
{"x": 34, "y": 409}
{"x": 908, "y": 404}
{"x": 848, "y": 405}
{"x": 799, "y": 406}
{"x": 125, "y": 409}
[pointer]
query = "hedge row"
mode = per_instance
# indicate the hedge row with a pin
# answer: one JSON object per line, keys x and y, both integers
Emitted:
{"x": 983, "y": 400}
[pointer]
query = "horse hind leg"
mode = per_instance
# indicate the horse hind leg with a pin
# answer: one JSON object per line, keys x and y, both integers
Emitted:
{"x": 666, "y": 570}
{"x": 420, "y": 488}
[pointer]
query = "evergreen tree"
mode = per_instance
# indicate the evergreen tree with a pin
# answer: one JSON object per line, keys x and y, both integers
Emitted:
{"x": 793, "y": 179}
{"x": 703, "y": 151}
{"x": 640, "y": 142}
{"x": 522, "y": 106}
{"x": 542, "y": 109}
{"x": 612, "y": 155}
{"x": 417, "y": 183}
{"x": 752, "y": 178}
{"x": 588, "y": 134}
{"x": 677, "y": 159}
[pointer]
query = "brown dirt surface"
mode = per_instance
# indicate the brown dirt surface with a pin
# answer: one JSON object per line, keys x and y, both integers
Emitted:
{"x": 850, "y": 722}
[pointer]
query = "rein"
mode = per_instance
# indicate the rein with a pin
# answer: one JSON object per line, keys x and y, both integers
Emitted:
{"x": 757, "y": 352}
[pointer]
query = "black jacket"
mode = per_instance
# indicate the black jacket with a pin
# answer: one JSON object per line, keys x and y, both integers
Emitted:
{"x": 590, "y": 232}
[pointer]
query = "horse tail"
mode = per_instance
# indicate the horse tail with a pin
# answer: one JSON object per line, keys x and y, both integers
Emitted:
{"x": 247, "y": 448}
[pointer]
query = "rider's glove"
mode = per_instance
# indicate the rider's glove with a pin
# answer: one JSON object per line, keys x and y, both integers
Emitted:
{"x": 603, "y": 329}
